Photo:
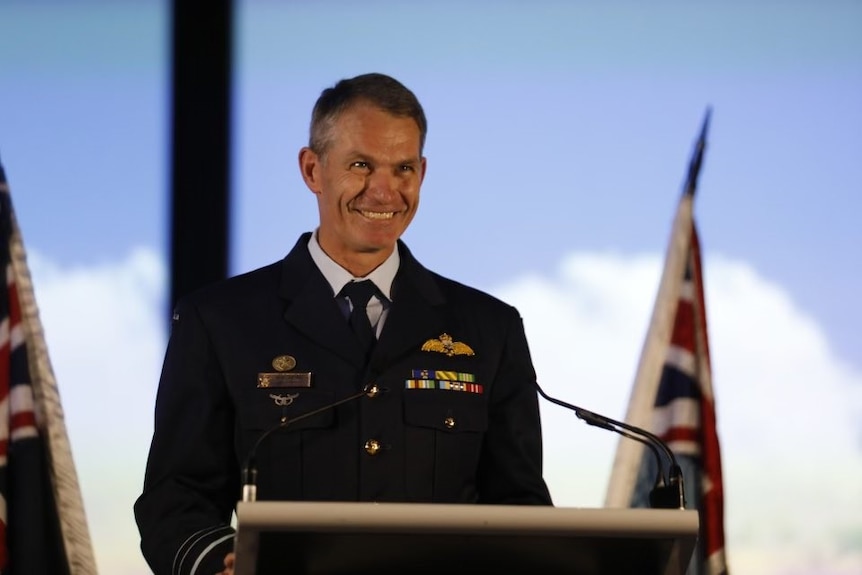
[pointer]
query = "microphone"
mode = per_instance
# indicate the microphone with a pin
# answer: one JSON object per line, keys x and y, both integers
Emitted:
{"x": 249, "y": 469}
{"x": 667, "y": 491}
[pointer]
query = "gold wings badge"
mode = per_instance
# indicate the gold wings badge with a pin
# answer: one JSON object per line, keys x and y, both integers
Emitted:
{"x": 445, "y": 344}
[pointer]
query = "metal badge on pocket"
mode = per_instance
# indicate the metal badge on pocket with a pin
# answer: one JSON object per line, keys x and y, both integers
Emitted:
{"x": 281, "y": 378}
{"x": 299, "y": 379}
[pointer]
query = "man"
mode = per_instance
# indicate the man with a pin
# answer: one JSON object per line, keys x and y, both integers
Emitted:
{"x": 450, "y": 413}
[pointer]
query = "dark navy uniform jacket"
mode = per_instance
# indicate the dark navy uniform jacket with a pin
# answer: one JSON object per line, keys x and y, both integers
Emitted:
{"x": 456, "y": 423}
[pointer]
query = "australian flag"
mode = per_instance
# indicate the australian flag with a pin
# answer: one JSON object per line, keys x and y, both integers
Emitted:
{"x": 36, "y": 536}
{"x": 673, "y": 395}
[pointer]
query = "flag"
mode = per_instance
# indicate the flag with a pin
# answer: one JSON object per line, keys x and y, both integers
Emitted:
{"x": 43, "y": 529}
{"x": 672, "y": 394}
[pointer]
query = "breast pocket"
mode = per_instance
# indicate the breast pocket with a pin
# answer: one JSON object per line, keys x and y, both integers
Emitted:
{"x": 292, "y": 410}
{"x": 444, "y": 432}
{"x": 270, "y": 425}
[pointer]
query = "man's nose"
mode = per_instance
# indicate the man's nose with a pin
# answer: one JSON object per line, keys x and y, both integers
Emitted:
{"x": 383, "y": 182}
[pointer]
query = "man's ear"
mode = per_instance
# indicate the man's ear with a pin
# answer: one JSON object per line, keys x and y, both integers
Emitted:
{"x": 309, "y": 167}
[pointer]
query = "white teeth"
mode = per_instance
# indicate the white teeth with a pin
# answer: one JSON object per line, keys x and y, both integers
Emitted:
{"x": 377, "y": 215}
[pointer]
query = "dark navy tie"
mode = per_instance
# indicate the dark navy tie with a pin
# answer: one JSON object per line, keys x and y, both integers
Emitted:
{"x": 359, "y": 293}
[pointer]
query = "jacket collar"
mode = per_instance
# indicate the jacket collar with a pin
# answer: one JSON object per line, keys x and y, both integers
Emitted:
{"x": 417, "y": 311}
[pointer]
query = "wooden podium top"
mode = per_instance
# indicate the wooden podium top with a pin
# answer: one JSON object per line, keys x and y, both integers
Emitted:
{"x": 335, "y": 538}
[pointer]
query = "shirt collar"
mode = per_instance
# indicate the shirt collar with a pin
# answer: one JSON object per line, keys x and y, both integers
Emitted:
{"x": 382, "y": 276}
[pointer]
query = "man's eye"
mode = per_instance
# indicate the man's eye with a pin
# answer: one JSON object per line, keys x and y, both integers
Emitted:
{"x": 360, "y": 165}
{"x": 407, "y": 168}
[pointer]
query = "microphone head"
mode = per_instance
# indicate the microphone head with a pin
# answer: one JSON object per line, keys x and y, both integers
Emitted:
{"x": 670, "y": 495}
{"x": 249, "y": 480}
{"x": 249, "y": 473}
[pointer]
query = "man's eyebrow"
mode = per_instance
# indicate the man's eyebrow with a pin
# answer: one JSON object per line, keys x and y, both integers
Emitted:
{"x": 355, "y": 155}
{"x": 411, "y": 160}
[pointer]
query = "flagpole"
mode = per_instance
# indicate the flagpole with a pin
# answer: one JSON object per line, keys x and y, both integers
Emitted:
{"x": 628, "y": 456}
{"x": 697, "y": 157}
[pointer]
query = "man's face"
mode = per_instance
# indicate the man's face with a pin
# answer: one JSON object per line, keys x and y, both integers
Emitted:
{"x": 367, "y": 185}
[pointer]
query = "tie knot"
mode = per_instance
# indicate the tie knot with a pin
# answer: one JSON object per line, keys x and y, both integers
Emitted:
{"x": 359, "y": 292}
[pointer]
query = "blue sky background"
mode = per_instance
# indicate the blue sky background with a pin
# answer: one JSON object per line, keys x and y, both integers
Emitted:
{"x": 569, "y": 124}
{"x": 559, "y": 136}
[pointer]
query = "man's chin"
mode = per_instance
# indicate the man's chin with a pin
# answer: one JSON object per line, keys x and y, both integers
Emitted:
{"x": 379, "y": 240}
{"x": 371, "y": 248}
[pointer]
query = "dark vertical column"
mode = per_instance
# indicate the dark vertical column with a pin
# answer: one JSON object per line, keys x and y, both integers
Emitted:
{"x": 200, "y": 157}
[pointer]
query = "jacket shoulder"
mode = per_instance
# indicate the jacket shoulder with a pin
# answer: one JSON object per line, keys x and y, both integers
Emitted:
{"x": 236, "y": 287}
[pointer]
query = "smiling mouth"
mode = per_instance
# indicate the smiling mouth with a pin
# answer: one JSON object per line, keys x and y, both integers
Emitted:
{"x": 377, "y": 215}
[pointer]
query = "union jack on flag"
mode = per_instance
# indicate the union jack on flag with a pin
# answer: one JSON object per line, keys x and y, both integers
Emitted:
{"x": 672, "y": 395}
{"x": 42, "y": 526}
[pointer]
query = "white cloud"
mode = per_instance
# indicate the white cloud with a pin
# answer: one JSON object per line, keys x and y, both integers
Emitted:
{"x": 106, "y": 327}
{"x": 786, "y": 405}
{"x": 788, "y": 409}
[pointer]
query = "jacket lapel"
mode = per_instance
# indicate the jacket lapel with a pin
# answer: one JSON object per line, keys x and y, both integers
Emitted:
{"x": 310, "y": 305}
{"x": 416, "y": 313}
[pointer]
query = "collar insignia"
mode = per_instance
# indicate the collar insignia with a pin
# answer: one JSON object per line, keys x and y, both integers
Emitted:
{"x": 445, "y": 344}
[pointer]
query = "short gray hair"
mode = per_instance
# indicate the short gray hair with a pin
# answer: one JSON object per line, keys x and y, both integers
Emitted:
{"x": 379, "y": 90}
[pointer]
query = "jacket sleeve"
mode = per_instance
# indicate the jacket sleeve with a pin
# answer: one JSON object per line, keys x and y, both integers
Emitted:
{"x": 192, "y": 480}
{"x": 510, "y": 469}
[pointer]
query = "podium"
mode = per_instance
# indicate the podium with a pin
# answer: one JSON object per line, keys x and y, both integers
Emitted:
{"x": 356, "y": 538}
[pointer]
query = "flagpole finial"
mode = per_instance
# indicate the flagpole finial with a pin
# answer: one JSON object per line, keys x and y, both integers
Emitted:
{"x": 697, "y": 156}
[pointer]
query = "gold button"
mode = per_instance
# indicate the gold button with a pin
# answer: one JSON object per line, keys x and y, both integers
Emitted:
{"x": 372, "y": 446}
{"x": 372, "y": 390}
{"x": 449, "y": 422}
